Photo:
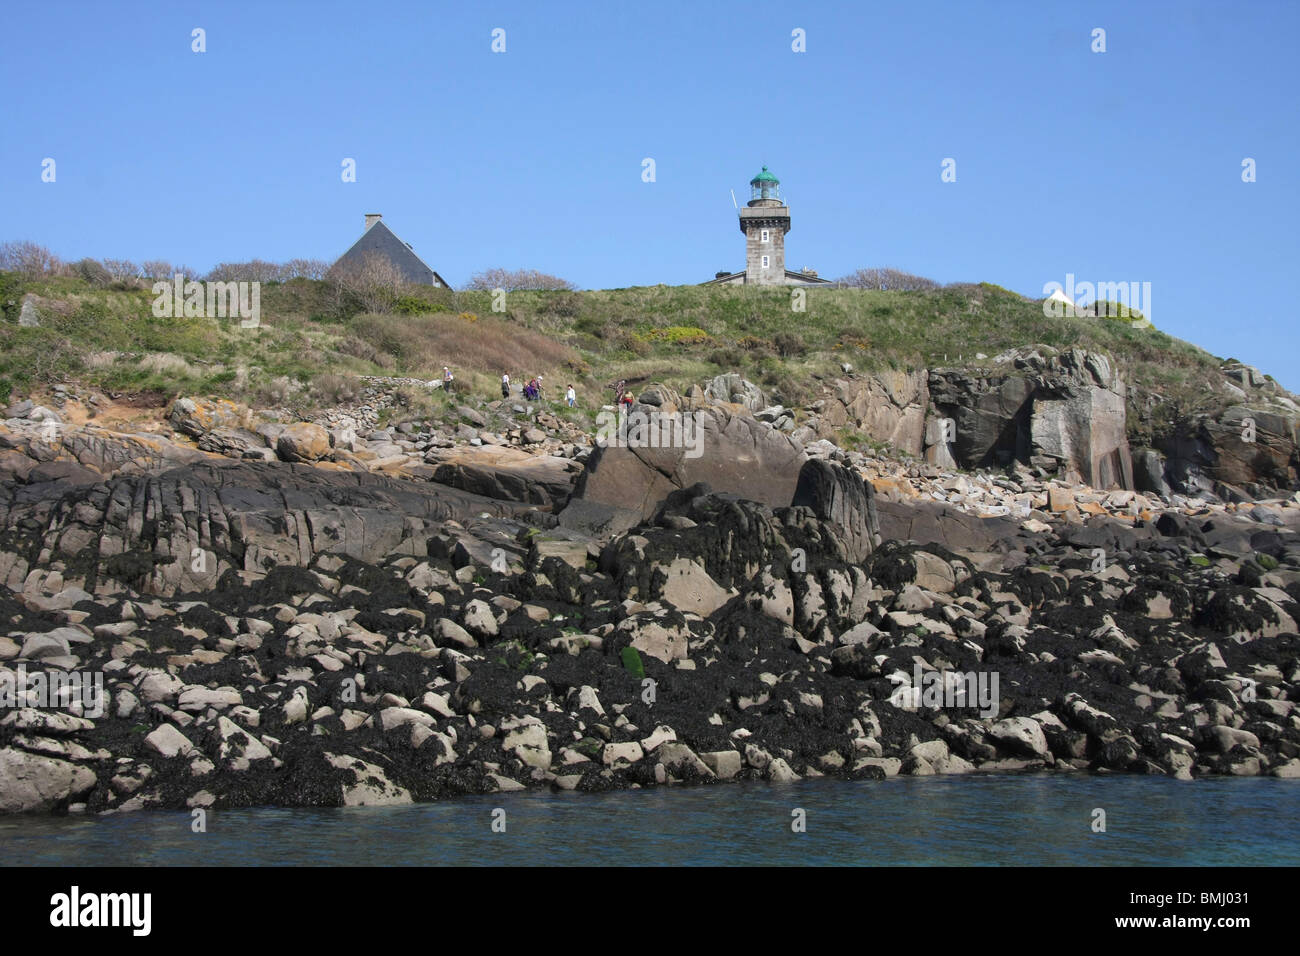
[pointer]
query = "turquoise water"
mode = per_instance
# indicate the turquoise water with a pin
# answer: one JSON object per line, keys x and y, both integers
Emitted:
{"x": 993, "y": 820}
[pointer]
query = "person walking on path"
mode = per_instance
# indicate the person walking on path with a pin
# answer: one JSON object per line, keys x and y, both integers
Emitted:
{"x": 505, "y": 384}
{"x": 571, "y": 396}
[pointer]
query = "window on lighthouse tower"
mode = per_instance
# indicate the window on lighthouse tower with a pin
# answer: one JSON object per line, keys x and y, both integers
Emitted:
{"x": 765, "y": 262}
{"x": 764, "y": 237}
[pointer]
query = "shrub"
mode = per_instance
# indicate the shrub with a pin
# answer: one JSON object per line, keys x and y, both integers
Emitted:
{"x": 11, "y": 294}
{"x": 413, "y": 304}
{"x": 627, "y": 341}
{"x": 28, "y": 258}
{"x": 157, "y": 269}
{"x": 679, "y": 335}
{"x": 359, "y": 348}
{"x": 515, "y": 280}
{"x": 892, "y": 280}
{"x": 123, "y": 271}
{"x": 788, "y": 344}
{"x": 91, "y": 271}
{"x": 564, "y": 304}
{"x": 424, "y": 344}
{"x": 374, "y": 282}
{"x": 331, "y": 389}
{"x": 278, "y": 391}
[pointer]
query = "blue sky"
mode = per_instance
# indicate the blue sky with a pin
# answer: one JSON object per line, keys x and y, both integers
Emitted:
{"x": 1115, "y": 166}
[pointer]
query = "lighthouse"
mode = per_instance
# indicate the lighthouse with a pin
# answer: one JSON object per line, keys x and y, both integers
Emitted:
{"x": 765, "y": 220}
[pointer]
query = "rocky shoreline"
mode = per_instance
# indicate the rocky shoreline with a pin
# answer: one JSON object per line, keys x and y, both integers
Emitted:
{"x": 300, "y": 615}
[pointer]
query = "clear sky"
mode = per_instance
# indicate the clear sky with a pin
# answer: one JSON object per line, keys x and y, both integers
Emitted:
{"x": 1116, "y": 166}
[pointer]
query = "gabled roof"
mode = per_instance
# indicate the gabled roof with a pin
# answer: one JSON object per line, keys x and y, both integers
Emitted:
{"x": 382, "y": 241}
{"x": 805, "y": 278}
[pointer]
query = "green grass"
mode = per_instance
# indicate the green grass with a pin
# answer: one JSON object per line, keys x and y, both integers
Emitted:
{"x": 679, "y": 335}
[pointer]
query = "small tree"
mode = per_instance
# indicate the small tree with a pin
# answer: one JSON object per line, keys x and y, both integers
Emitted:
{"x": 122, "y": 270}
{"x": 305, "y": 269}
{"x": 28, "y": 258}
{"x": 255, "y": 270}
{"x": 889, "y": 280}
{"x": 90, "y": 270}
{"x": 157, "y": 269}
{"x": 374, "y": 281}
{"x": 516, "y": 280}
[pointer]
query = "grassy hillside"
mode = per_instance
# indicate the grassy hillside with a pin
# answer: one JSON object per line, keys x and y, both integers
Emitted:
{"x": 312, "y": 340}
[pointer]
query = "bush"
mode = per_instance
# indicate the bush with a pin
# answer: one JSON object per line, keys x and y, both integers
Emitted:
{"x": 422, "y": 345}
{"x": 281, "y": 390}
{"x": 564, "y": 304}
{"x": 331, "y": 389}
{"x": 413, "y": 304}
{"x": 627, "y": 341}
{"x": 515, "y": 280}
{"x": 88, "y": 270}
{"x": 28, "y": 258}
{"x": 11, "y": 295}
{"x": 891, "y": 280}
{"x": 358, "y": 348}
{"x": 592, "y": 325}
{"x": 788, "y": 344}
{"x": 679, "y": 335}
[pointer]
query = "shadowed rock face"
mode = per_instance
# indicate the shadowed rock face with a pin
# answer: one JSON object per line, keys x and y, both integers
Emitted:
{"x": 837, "y": 495}
{"x": 1068, "y": 409}
{"x": 505, "y": 473}
{"x": 183, "y": 529}
{"x": 1205, "y": 450}
{"x": 737, "y": 454}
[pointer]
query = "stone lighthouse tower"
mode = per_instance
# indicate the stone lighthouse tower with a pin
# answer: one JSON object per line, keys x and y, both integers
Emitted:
{"x": 765, "y": 221}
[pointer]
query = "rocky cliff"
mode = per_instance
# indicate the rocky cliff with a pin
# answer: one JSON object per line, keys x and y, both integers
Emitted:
{"x": 319, "y": 618}
{"x": 1070, "y": 413}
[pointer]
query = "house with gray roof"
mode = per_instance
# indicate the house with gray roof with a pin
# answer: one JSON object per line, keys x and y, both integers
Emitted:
{"x": 381, "y": 241}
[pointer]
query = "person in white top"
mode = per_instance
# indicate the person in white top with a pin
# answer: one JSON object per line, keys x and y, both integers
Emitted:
{"x": 572, "y": 396}
{"x": 505, "y": 384}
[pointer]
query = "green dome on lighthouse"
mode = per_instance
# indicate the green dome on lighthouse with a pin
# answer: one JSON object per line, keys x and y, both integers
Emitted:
{"x": 765, "y": 186}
